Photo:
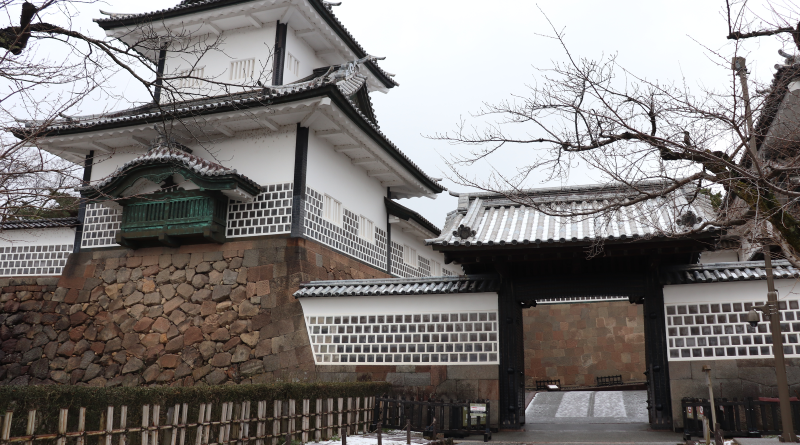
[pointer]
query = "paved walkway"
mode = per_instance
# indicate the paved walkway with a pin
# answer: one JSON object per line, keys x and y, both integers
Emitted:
{"x": 587, "y": 418}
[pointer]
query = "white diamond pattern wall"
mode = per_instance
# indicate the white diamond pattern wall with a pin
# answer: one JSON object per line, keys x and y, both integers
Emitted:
{"x": 33, "y": 260}
{"x": 345, "y": 238}
{"x": 270, "y": 213}
{"x": 101, "y": 225}
{"x": 720, "y": 331}
{"x": 468, "y": 337}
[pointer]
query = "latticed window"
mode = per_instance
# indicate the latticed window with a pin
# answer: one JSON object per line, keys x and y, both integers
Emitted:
{"x": 243, "y": 69}
{"x": 292, "y": 64}
{"x": 366, "y": 229}
{"x": 191, "y": 78}
{"x": 333, "y": 210}
{"x": 410, "y": 256}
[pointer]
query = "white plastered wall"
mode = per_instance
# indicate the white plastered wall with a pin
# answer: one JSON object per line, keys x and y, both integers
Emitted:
{"x": 409, "y": 239}
{"x": 452, "y": 329}
{"x": 263, "y": 156}
{"x": 334, "y": 174}
{"x": 236, "y": 44}
{"x": 35, "y": 252}
{"x": 38, "y": 237}
{"x": 306, "y": 55}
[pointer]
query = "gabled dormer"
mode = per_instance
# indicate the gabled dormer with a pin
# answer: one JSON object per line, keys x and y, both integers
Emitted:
{"x": 252, "y": 41}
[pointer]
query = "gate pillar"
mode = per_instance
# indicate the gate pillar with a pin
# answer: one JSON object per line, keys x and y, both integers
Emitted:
{"x": 659, "y": 397}
{"x": 512, "y": 359}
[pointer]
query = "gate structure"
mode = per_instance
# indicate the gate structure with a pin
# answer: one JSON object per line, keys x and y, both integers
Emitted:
{"x": 538, "y": 256}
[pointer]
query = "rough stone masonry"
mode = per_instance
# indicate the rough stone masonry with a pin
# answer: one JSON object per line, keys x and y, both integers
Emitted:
{"x": 202, "y": 314}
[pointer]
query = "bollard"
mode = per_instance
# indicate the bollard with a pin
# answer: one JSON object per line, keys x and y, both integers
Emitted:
{"x": 434, "y": 429}
{"x": 408, "y": 431}
{"x": 380, "y": 433}
{"x": 344, "y": 436}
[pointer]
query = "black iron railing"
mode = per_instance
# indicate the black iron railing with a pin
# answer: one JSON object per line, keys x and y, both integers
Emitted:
{"x": 541, "y": 385}
{"x": 451, "y": 418}
{"x": 737, "y": 418}
{"x": 610, "y": 380}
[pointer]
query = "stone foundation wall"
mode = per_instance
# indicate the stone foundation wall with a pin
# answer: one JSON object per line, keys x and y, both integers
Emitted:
{"x": 200, "y": 314}
{"x": 195, "y": 315}
{"x": 579, "y": 342}
{"x": 738, "y": 378}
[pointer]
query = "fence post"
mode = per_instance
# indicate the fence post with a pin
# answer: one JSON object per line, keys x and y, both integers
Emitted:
{"x": 349, "y": 416}
{"x": 318, "y": 421}
{"x": 145, "y": 423}
{"x": 292, "y": 417}
{"x": 123, "y": 424}
{"x": 244, "y": 423}
{"x": 109, "y": 424}
{"x": 63, "y": 413}
{"x": 172, "y": 416}
{"x": 82, "y": 426}
{"x": 408, "y": 431}
{"x": 276, "y": 422}
{"x": 261, "y": 425}
{"x": 380, "y": 433}
{"x": 184, "y": 421}
{"x": 358, "y": 414}
{"x": 341, "y": 408}
{"x": 305, "y": 424}
{"x": 330, "y": 418}
{"x": 154, "y": 427}
{"x": 31, "y": 427}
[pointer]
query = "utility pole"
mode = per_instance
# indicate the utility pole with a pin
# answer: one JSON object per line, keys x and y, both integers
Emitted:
{"x": 772, "y": 308}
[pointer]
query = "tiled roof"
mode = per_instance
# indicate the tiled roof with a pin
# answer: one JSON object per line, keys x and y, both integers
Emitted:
{"x": 172, "y": 154}
{"x": 492, "y": 219}
{"x": 346, "y": 78}
{"x": 396, "y": 209}
{"x": 47, "y": 223}
{"x": 726, "y": 272}
{"x": 400, "y": 286}
{"x": 322, "y": 7}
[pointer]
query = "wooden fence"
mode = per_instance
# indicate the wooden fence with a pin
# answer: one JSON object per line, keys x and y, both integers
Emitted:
{"x": 253, "y": 423}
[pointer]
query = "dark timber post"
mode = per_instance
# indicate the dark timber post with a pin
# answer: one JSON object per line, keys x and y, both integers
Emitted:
{"x": 659, "y": 398}
{"x": 87, "y": 179}
{"x": 512, "y": 355}
{"x": 299, "y": 186}
{"x": 279, "y": 54}
{"x": 162, "y": 57}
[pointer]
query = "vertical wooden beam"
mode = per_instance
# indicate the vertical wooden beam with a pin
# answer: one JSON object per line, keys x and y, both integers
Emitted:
{"x": 659, "y": 395}
{"x": 87, "y": 179}
{"x": 279, "y": 54}
{"x": 299, "y": 186}
{"x": 511, "y": 354}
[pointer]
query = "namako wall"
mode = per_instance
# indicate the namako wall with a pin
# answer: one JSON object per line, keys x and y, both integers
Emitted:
{"x": 579, "y": 342}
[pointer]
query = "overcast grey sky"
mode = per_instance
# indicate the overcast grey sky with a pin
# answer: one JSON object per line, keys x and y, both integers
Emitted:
{"x": 451, "y": 55}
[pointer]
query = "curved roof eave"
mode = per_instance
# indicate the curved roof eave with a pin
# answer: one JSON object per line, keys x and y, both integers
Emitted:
{"x": 330, "y": 90}
{"x": 180, "y": 10}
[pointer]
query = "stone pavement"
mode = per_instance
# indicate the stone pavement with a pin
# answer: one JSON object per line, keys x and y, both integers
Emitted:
{"x": 576, "y": 407}
{"x": 586, "y": 417}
